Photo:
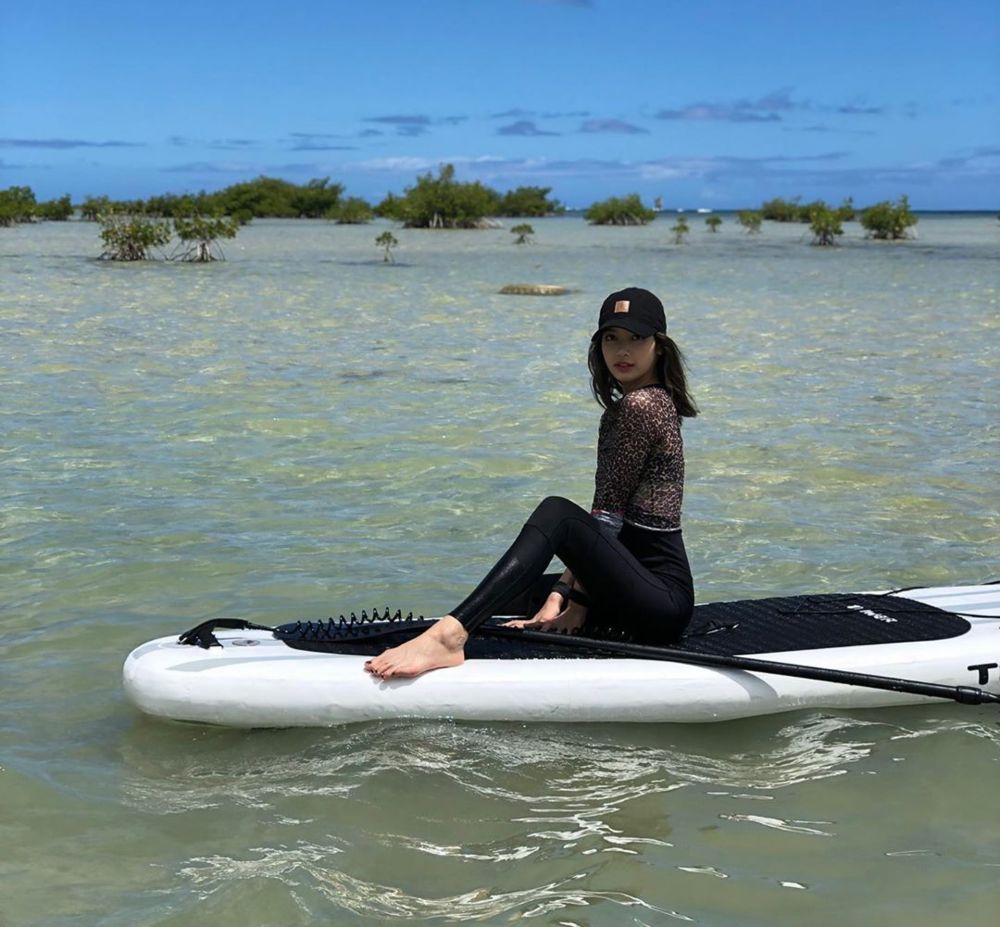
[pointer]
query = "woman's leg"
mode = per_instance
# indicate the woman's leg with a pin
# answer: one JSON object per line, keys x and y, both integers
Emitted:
{"x": 618, "y": 584}
{"x": 624, "y": 592}
{"x": 443, "y": 643}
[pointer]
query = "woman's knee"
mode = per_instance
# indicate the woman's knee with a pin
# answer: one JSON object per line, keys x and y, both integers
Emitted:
{"x": 567, "y": 528}
{"x": 553, "y": 509}
{"x": 552, "y": 516}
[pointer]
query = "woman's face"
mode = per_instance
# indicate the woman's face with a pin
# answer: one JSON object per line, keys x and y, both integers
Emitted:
{"x": 631, "y": 359}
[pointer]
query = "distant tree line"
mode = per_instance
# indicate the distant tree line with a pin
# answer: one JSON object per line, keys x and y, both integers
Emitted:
{"x": 438, "y": 201}
{"x": 782, "y": 210}
{"x": 265, "y": 197}
{"x": 432, "y": 202}
{"x": 885, "y": 220}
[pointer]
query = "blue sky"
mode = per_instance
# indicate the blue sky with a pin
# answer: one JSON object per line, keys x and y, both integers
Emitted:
{"x": 706, "y": 103}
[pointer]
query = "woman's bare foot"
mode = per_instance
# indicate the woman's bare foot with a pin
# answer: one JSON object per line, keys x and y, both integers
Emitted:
{"x": 439, "y": 646}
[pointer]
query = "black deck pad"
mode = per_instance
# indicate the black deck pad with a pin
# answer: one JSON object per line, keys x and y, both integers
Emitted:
{"x": 816, "y": 621}
{"x": 772, "y": 625}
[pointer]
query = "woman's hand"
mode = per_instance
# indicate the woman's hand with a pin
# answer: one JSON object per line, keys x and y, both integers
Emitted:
{"x": 549, "y": 610}
{"x": 551, "y": 617}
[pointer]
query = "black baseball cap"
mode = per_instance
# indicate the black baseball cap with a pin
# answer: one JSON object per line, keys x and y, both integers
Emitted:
{"x": 634, "y": 309}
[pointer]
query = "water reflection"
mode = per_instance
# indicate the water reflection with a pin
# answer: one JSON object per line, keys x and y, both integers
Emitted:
{"x": 541, "y": 818}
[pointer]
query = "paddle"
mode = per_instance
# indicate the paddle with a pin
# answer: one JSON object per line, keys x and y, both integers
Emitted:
{"x": 967, "y": 695}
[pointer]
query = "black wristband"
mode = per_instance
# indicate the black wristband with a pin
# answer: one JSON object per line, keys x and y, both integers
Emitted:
{"x": 564, "y": 590}
{"x": 569, "y": 594}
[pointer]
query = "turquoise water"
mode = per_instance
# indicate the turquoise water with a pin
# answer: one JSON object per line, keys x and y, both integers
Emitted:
{"x": 303, "y": 430}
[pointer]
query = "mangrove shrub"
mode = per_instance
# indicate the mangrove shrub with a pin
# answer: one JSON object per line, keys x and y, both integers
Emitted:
{"x": 441, "y": 202}
{"x": 825, "y": 226}
{"x": 17, "y": 204}
{"x": 888, "y": 221}
{"x": 845, "y": 211}
{"x": 200, "y": 236}
{"x": 269, "y": 197}
{"x": 352, "y": 211}
{"x": 750, "y": 220}
{"x": 528, "y": 201}
{"x": 782, "y": 210}
{"x": 387, "y": 241}
{"x": 130, "y": 237}
{"x": 93, "y": 207}
{"x": 316, "y": 198}
{"x": 619, "y": 210}
{"x": 169, "y": 205}
{"x": 523, "y": 233}
{"x": 55, "y": 210}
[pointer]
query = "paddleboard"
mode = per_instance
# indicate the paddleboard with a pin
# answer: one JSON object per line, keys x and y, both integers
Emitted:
{"x": 311, "y": 674}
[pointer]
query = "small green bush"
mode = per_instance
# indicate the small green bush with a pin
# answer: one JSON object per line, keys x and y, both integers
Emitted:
{"x": 387, "y": 241}
{"x": 55, "y": 210}
{"x": 17, "y": 204}
{"x": 93, "y": 207}
{"x": 845, "y": 211}
{"x": 825, "y": 226}
{"x": 619, "y": 210}
{"x": 441, "y": 202}
{"x": 129, "y": 237}
{"x": 750, "y": 220}
{"x": 352, "y": 211}
{"x": 270, "y": 197}
{"x": 889, "y": 221}
{"x": 523, "y": 232}
{"x": 200, "y": 236}
{"x": 781, "y": 210}
{"x": 528, "y": 201}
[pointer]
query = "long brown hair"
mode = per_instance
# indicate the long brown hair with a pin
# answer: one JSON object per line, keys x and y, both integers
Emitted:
{"x": 669, "y": 371}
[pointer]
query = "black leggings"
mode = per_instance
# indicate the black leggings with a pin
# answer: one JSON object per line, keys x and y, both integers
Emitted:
{"x": 639, "y": 582}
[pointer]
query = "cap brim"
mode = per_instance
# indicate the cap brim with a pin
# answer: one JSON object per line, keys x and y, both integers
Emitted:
{"x": 637, "y": 327}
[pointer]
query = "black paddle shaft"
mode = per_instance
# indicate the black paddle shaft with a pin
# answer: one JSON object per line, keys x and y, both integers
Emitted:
{"x": 967, "y": 695}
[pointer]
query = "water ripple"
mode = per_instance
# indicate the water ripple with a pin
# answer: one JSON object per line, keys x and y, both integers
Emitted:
{"x": 307, "y": 867}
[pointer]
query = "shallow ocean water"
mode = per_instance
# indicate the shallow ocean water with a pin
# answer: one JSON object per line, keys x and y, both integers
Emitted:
{"x": 303, "y": 430}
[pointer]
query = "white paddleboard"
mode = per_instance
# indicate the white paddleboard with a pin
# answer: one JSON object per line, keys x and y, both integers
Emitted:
{"x": 254, "y": 679}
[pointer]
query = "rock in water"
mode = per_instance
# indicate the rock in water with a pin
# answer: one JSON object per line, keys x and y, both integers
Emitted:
{"x": 533, "y": 289}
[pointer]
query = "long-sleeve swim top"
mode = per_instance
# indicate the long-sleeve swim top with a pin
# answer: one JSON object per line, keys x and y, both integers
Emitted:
{"x": 640, "y": 463}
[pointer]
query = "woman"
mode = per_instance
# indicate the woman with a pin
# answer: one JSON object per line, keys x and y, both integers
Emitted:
{"x": 626, "y": 564}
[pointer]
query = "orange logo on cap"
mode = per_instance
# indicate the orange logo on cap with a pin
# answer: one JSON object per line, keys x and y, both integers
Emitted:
{"x": 622, "y": 305}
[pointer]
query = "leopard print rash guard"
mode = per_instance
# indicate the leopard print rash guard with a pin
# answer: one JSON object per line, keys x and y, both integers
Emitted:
{"x": 640, "y": 463}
